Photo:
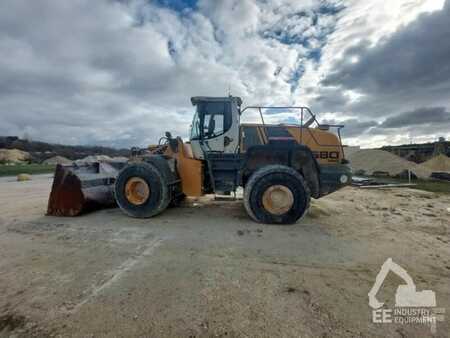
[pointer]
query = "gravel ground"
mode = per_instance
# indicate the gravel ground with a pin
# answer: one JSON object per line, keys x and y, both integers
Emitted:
{"x": 206, "y": 270}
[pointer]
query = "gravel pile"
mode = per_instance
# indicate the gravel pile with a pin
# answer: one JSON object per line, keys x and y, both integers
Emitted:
{"x": 57, "y": 160}
{"x": 13, "y": 155}
{"x": 100, "y": 158}
{"x": 439, "y": 163}
{"x": 374, "y": 160}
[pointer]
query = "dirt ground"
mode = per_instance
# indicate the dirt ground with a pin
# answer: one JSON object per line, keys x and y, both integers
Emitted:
{"x": 206, "y": 270}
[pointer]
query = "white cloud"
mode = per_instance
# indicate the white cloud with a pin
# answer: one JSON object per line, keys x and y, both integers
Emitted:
{"x": 122, "y": 73}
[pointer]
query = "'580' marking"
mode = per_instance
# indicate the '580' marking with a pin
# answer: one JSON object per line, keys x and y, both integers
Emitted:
{"x": 326, "y": 155}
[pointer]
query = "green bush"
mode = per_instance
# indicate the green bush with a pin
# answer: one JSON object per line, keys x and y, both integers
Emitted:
{"x": 13, "y": 170}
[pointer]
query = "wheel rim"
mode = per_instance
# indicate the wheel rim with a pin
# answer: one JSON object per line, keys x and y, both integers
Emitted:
{"x": 137, "y": 191}
{"x": 278, "y": 199}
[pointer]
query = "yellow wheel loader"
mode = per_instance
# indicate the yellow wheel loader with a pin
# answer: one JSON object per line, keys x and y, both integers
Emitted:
{"x": 279, "y": 166}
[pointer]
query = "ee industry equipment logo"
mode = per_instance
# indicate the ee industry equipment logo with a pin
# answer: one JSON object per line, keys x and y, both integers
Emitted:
{"x": 411, "y": 306}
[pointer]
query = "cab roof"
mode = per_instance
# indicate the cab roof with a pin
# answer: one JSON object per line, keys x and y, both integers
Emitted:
{"x": 196, "y": 99}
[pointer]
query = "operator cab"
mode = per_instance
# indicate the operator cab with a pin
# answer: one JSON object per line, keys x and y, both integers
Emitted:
{"x": 215, "y": 127}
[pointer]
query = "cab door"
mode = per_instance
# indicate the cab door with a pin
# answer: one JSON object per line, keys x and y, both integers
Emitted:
{"x": 219, "y": 131}
{"x": 215, "y": 128}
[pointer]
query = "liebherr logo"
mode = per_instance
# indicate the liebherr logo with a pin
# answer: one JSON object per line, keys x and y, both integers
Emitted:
{"x": 411, "y": 306}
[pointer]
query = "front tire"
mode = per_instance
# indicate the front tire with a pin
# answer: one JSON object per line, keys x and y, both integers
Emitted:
{"x": 141, "y": 190}
{"x": 276, "y": 194}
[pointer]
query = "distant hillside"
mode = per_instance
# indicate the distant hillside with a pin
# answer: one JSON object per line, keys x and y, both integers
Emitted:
{"x": 41, "y": 151}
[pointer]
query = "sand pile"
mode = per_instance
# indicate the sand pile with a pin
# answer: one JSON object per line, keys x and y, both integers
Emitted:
{"x": 93, "y": 159}
{"x": 13, "y": 155}
{"x": 322, "y": 208}
{"x": 23, "y": 177}
{"x": 439, "y": 163}
{"x": 57, "y": 160}
{"x": 349, "y": 150}
{"x": 372, "y": 160}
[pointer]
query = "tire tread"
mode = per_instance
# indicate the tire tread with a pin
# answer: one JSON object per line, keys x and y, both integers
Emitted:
{"x": 263, "y": 172}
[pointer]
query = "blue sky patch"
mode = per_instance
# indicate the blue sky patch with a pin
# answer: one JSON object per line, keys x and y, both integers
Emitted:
{"x": 177, "y": 5}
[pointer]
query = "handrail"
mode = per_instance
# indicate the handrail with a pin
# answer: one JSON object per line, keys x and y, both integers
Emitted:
{"x": 302, "y": 110}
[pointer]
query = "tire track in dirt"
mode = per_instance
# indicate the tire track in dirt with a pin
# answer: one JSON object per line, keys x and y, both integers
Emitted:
{"x": 118, "y": 273}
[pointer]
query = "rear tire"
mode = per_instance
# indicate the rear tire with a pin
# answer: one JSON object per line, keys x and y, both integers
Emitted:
{"x": 157, "y": 195}
{"x": 276, "y": 194}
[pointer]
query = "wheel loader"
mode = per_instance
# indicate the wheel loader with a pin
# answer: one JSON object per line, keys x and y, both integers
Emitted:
{"x": 279, "y": 166}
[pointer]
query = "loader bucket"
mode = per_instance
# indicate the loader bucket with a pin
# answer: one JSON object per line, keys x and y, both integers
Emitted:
{"x": 82, "y": 188}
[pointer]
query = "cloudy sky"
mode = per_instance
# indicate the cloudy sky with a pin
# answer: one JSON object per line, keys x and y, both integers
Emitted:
{"x": 120, "y": 73}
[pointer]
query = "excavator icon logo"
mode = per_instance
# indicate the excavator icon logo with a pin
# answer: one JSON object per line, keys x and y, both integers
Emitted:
{"x": 406, "y": 295}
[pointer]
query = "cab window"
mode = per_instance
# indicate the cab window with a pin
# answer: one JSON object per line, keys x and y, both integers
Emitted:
{"x": 195, "y": 127}
{"x": 215, "y": 118}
